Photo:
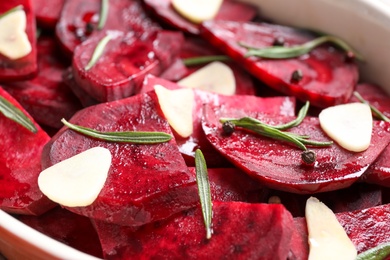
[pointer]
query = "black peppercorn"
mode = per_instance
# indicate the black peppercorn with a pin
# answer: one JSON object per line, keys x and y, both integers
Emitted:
{"x": 296, "y": 76}
{"x": 308, "y": 157}
{"x": 279, "y": 41}
{"x": 228, "y": 127}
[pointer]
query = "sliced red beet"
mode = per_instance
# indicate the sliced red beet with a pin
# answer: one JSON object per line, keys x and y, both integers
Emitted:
{"x": 188, "y": 146}
{"x": 126, "y": 60}
{"x": 79, "y": 20}
{"x": 195, "y": 47}
{"x": 85, "y": 99}
{"x": 48, "y": 13}
{"x": 232, "y": 184}
{"x": 327, "y": 78}
{"x": 375, "y": 95}
{"x": 366, "y": 228}
{"x": 230, "y": 10}
{"x": 240, "y": 231}
{"x": 71, "y": 229}
{"x": 145, "y": 182}
{"x": 20, "y": 165}
{"x": 279, "y": 165}
{"x": 25, "y": 67}
{"x": 46, "y": 97}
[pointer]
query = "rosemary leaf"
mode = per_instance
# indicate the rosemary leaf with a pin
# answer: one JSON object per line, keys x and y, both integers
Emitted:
{"x": 123, "y": 137}
{"x": 202, "y": 180}
{"x": 378, "y": 114}
{"x": 16, "y": 115}
{"x": 98, "y": 51}
{"x": 204, "y": 59}
{"x": 379, "y": 252}
{"x": 16, "y": 8}
{"x": 285, "y": 52}
{"x": 103, "y": 14}
{"x": 301, "y": 115}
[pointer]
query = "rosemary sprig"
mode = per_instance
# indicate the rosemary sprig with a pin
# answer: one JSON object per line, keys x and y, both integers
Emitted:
{"x": 378, "y": 114}
{"x": 276, "y": 133}
{"x": 379, "y": 252}
{"x": 97, "y": 53}
{"x": 124, "y": 137}
{"x": 16, "y": 8}
{"x": 16, "y": 115}
{"x": 202, "y": 180}
{"x": 103, "y": 14}
{"x": 204, "y": 59}
{"x": 285, "y": 52}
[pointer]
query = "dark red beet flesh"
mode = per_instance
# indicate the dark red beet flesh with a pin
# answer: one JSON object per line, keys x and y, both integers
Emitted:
{"x": 25, "y": 67}
{"x": 279, "y": 165}
{"x": 48, "y": 13}
{"x": 20, "y": 165}
{"x": 78, "y": 16}
{"x": 145, "y": 182}
{"x": 126, "y": 60}
{"x": 46, "y": 97}
{"x": 187, "y": 146}
{"x": 68, "y": 228}
{"x": 230, "y": 11}
{"x": 264, "y": 233}
{"x": 327, "y": 78}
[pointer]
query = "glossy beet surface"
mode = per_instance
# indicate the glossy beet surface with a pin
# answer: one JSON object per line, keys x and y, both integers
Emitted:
{"x": 125, "y": 62}
{"x": 230, "y": 10}
{"x": 279, "y": 165}
{"x": 328, "y": 79}
{"x": 20, "y": 165}
{"x": 197, "y": 140}
{"x": 46, "y": 97}
{"x": 79, "y": 21}
{"x": 25, "y": 67}
{"x": 265, "y": 233}
{"x": 145, "y": 182}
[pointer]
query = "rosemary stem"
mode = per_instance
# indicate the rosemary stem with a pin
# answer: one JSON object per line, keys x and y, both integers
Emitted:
{"x": 374, "y": 110}
{"x": 204, "y": 59}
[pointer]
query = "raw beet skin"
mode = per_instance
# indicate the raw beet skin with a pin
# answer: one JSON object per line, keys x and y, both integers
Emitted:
{"x": 78, "y": 17}
{"x": 197, "y": 140}
{"x": 240, "y": 231}
{"x": 328, "y": 79}
{"x": 145, "y": 182}
{"x": 20, "y": 165}
{"x": 230, "y": 10}
{"x": 46, "y": 97}
{"x": 71, "y": 229}
{"x": 279, "y": 165}
{"x": 126, "y": 60}
{"x": 25, "y": 67}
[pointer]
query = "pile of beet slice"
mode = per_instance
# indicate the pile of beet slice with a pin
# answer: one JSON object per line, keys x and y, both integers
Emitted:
{"x": 149, "y": 206}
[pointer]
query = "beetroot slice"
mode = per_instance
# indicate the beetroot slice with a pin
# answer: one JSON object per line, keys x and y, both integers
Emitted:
{"x": 20, "y": 165}
{"x": 78, "y": 16}
{"x": 279, "y": 165}
{"x": 25, "y": 67}
{"x": 48, "y": 13}
{"x": 327, "y": 78}
{"x": 195, "y": 47}
{"x": 230, "y": 10}
{"x": 188, "y": 146}
{"x": 71, "y": 229}
{"x": 46, "y": 97}
{"x": 366, "y": 228}
{"x": 232, "y": 184}
{"x": 145, "y": 182}
{"x": 126, "y": 60}
{"x": 240, "y": 231}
